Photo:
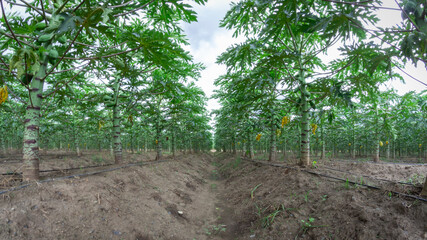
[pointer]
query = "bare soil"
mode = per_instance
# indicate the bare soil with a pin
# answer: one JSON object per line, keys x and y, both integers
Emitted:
{"x": 210, "y": 196}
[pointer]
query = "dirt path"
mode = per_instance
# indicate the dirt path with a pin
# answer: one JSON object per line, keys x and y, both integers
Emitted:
{"x": 173, "y": 200}
{"x": 208, "y": 197}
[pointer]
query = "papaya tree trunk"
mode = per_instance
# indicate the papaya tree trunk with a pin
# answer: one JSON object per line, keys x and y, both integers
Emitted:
{"x": 322, "y": 141}
{"x": 244, "y": 149}
{"x": 305, "y": 126}
{"x": 32, "y": 125}
{"x": 424, "y": 191}
{"x": 234, "y": 143}
{"x": 132, "y": 141}
{"x": 76, "y": 142}
{"x": 387, "y": 154}
{"x": 273, "y": 153}
{"x": 173, "y": 142}
{"x": 76, "y": 135}
{"x": 158, "y": 140}
{"x": 353, "y": 147}
{"x": 250, "y": 147}
{"x": 285, "y": 150}
{"x": 3, "y": 146}
{"x": 145, "y": 143}
{"x": 111, "y": 149}
{"x": 376, "y": 157}
{"x": 116, "y": 135}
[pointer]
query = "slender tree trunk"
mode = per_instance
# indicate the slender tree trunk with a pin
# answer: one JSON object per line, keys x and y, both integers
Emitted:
{"x": 353, "y": 147}
{"x": 376, "y": 157}
{"x": 273, "y": 153}
{"x": 32, "y": 124}
{"x": 388, "y": 152}
{"x": 117, "y": 135}
{"x": 394, "y": 150}
{"x": 76, "y": 135}
{"x": 158, "y": 140}
{"x": 424, "y": 191}
{"x": 251, "y": 147}
{"x": 173, "y": 143}
{"x": 3, "y": 145}
{"x": 285, "y": 150}
{"x": 76, "y": 142}
{"x": 234, "y": 143}
{"x": 322, "y": 141}
{"x": 132, "y": 141}
{"x": 244, "y": 149}
{"x": 111, "y": 149}
{"x": 305, "y": 126}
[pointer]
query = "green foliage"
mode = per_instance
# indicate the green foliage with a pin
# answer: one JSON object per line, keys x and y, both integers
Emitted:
{"x": 306, "y": 196}
{"x": 346, "y": 184}
{"x": 215, "y": 229}
{"x": 98, "y": 159}
{"x": 268, "y": 220}
{"x": 253, "y": 190}
{"x": 307, "y": 225}
{"x": 416, "y": 179}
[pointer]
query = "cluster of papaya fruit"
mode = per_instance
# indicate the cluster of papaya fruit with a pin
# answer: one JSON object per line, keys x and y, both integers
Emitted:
{"x": 51, "y": 32}
{"x": 109, "y": 100}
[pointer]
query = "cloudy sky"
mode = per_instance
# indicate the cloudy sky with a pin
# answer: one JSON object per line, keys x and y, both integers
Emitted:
{"x": 208, "y": 40}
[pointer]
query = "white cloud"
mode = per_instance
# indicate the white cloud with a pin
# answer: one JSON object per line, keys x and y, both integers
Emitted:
{"x": 207, "y": 41}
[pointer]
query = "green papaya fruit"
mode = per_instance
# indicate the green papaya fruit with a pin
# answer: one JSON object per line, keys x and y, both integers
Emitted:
{"x": 53, "y": 53}
{"x": 120, "y": 63}
{"x": 53, "y": 25}
{"x": 40, "y": 26}
{"x": 107, "y": 98}
{"x": 46, "y": 37}
{"x": 62, "y": 39}
{"x": 111, "y": 104}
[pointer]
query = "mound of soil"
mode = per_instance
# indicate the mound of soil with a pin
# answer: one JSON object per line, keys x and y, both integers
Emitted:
{"x": 169, "y": 200}
{"x": 205, "y": 196}
{"x": 278, "y": 203}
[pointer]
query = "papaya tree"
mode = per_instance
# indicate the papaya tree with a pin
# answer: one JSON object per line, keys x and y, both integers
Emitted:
{"x": 294, "y": 34}
{"x": 52, "y": 36}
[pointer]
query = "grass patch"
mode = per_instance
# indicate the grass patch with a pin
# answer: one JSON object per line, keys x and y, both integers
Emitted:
{"x": 98, "y": 159}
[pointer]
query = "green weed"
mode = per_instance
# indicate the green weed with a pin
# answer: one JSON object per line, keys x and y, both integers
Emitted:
{"x": 306, "y": 196}
{"x": 293, "y": 195}
{"x": 416, "y": 179}
{"x": 253, "y": 190}
{"x": 307, "y": 225}
{"x": 215, "y": 229}
{"x": 346, "y": 184}
{"x": 98, "y": 159}
{"x": 324, "y": 197}
{"x": 268, "y": 220}
{"x": 314, "y": 164}
{"x": 259, "y": 211}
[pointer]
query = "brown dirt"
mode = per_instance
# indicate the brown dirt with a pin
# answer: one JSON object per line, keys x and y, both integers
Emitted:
{"x": 204, "y": 196}
{"x": 330, "y": 209}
